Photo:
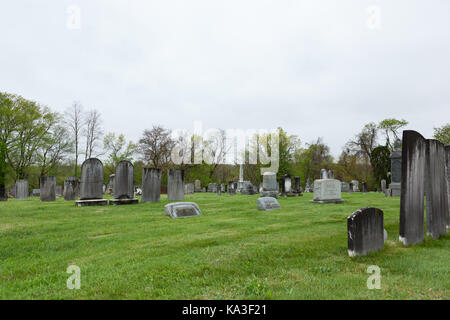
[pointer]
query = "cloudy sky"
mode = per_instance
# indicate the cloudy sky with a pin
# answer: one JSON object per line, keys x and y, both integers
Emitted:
{"x": 316, "y": 68}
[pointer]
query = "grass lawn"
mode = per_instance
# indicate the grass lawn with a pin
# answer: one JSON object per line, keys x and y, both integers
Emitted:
{"x": 231, "y": 251}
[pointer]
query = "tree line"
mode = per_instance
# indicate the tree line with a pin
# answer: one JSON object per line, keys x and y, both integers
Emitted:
{"x": 36, "y": 141}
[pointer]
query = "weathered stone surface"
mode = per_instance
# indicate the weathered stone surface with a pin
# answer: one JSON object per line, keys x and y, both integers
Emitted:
{"x": 91, "y": 183}
{"x": 58, "y": 191}
{"x": 3, "y": 193}
{"x": 436, "y": 189}
{"x": 151, "y": 185}
{"x": 198, "y": 186}
{"x": 412, "y": 188}
{"x": 48, "y": 188}
{"x": 383, "y": 185}
{"x": 308, "y": 186}
{"x": 212, "y": 187}
{"x": 355, "y": 185}
{"x": 327, "y": 191}
{"x": 231, "y": 188}
{"x": 364, "y": 187}
{"x": 175, "y": 185}
{"x": 21, "y": 191}
{"x": 396, "y": 172}
{"x": 365, "y": 229}
{"x": 350, "y": 188}
{"x": 124, "y": 180}
{"x": 91, "y": 202}
{"x": 122, "y": 201}
{"x": 189, "y": 188}
{"x": 268, "y": 203}
{"x": 269, "y": 185}
{"x": 111, "y": 184}
{"x": 345, "y": 187}
{"x": 447, "y": 175}
{"x": 248, "y": 188}
{"x": 297, "y": 187}
{"x": 182, "y": 209}
{"x": 71, "y": 188}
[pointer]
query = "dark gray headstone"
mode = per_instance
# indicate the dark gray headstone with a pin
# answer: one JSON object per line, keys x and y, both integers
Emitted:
{"x": 412, "y": 188}
{"x": 71, "y": 188}
{"x": 48, "y": 188}
{"x": 350, "y": 188}
{"x": 91, "y": 183}
{"x": 182, "y": 209}
{"x": 365, "y": 231}
{"x": 124, "y": 180}
{"x": 175, "y": 185}
{"x": 268, "y": 203}
{"x": 396, "y": 172}
{"x": 3, "y": 193}
{"x": 151, "y": 185}
{"x": 21, "y": 191}
{"x": 436, "y": 189}
{"x": 447, "y": 169}
{"x": 364, "y": 187}
{"x": 269, "y": 185}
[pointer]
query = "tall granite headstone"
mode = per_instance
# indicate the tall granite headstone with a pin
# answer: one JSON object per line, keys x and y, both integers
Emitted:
{"x": 21, "y": 191}
{"x": 436, "y": 189}
{"x": 111, "y": 183}
{"x": 350, "y": 188}
{"x": 48, "y": 188}
{"x": 124, "y": 184}
{"x": 412, "y": 188}
{"x": 151, "y": 185}
{"x": 364, "y": 187}
{"x": 365, "y": 229}
{"x": 91, "y": 183}
{"x": 175, "y": 185}
{"x": 59, "y": 191}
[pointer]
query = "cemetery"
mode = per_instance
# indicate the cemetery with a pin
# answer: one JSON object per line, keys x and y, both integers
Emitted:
{"x": 225, "y": 150}
{"x": 285, "y": 245}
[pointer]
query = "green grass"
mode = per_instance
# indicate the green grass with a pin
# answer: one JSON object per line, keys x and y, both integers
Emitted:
{"x": 231, "y": 251}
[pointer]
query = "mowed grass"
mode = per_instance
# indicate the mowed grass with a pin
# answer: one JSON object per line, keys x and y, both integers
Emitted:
{"x": 231, "y": 251}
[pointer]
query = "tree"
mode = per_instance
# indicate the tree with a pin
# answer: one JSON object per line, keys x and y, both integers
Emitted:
{"x": 313, "y": 158}
{"x": 443, "y": 134}
{"x": 391, "y": 129}
{"x": 118, "y": 148}
{"x": 93, "y": 132}
{"x": 364, "y": 142}
{"x": 381, "y": 163}
{"x": 74, "y": 120}
{"x": 55, "y": 145}
{"x": 155, "y": 146}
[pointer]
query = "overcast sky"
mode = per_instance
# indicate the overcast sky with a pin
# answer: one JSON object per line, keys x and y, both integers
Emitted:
{"x": 316, "y": 68}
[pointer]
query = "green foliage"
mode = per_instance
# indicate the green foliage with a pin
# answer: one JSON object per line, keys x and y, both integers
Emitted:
{"x": 391, "y": 128}
{"x": 381, "y": 163}
{"x": 443, "y": 134}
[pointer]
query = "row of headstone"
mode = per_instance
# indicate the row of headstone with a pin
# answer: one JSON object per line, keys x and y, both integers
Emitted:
{"x": 423, "y": 175}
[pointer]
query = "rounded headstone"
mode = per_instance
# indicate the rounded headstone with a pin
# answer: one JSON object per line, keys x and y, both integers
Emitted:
{"x": 91, "y": 184}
